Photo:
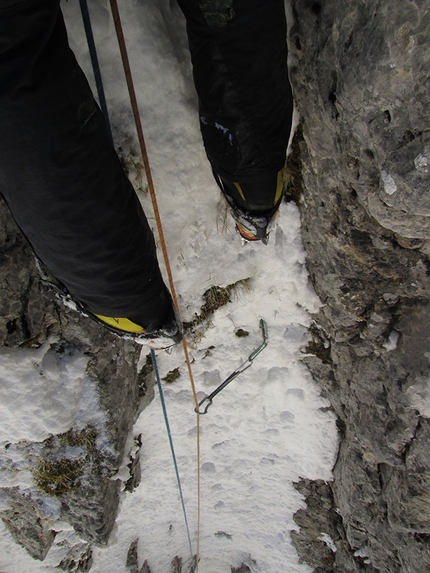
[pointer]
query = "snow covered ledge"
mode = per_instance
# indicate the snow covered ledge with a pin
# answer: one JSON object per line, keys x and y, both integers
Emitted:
{"x": 69, "y": 396}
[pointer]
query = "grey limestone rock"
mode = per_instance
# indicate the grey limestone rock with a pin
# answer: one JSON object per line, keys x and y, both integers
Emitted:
{"x": 28, "y": 525}
{"x": 132, "y": 557}
{"x": 361, "y": 79}
{"x": 74, "y": 471}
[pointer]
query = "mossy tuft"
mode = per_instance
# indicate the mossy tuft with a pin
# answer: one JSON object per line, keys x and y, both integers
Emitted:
{"x": 214, "y": 298}
{"x": 172, "y": 376}
{"x": 56, "y": 477}
{"x": 56, "y": 473}
{"x": 241, "y": 333}
{"x": 84, "y": 438}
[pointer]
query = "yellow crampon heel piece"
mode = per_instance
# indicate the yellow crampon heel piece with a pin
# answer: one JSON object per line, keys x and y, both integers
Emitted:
{"x": 121, "y": 324}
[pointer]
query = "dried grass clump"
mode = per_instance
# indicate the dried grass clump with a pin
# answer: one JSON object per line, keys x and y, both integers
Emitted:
{"x": 56, "y": 477}
{"x": 213, "y": 299}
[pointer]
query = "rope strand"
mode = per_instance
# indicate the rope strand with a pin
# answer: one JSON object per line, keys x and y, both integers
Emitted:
{"x": 95, "y": 63}
{"x": 142, "y": 144}
{"x": 172, "y": 449}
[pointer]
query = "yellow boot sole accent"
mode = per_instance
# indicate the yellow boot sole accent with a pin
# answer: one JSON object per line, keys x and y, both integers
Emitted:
{"x": 278, "y": 192}
{"x": 279, "y": 187}
{"x": 121, "y": 324}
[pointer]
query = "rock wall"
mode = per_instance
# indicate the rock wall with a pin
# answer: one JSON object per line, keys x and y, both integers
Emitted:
{"x": 69, "y": 476}
{"x": 360, "y": 171}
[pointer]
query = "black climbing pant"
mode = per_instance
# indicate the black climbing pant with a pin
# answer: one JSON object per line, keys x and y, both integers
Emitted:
{"x": 60, "y": 175}
{"x": 239, "y": 55}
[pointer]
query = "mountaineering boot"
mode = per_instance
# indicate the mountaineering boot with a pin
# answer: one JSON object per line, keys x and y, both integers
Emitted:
{"x": 162, "y": 337}
{"x": 254, "y": 204}
{"x": 239, "y": 55}
{"x": 161, "y": 334}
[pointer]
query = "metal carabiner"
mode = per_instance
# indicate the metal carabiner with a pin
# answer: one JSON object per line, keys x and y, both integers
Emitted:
{"x": 244, "y": 366}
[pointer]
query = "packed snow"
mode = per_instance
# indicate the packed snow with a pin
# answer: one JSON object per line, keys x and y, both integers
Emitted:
{"x": 270, "y": 426}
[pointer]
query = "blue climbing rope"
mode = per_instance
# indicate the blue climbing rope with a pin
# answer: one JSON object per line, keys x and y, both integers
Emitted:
{"x": 175, "y": 463}
{"x": 95, "y": 63}
{"x": 103, "y": 106}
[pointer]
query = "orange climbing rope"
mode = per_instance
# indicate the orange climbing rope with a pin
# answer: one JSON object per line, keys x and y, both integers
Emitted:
{"x": 133, "y": 101}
